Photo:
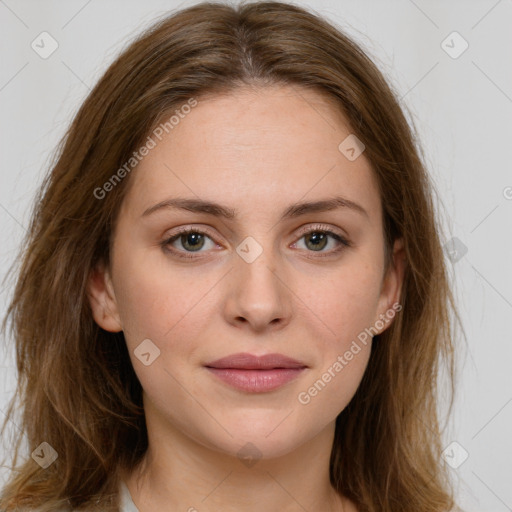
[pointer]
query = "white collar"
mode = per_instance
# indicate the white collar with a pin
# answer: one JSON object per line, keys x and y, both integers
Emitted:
{"x": 127, "y": 504}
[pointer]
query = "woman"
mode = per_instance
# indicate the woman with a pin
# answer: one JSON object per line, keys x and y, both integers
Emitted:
{"x": 232, "y": 294}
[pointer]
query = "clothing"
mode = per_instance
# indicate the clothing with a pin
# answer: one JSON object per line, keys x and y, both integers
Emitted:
{"x": 127, "y": 504}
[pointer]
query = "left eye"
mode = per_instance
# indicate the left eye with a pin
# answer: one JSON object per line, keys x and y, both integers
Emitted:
{"x": 317, "y": 240}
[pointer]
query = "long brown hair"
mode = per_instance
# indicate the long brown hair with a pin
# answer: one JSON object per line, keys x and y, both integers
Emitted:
{"x": 76, "y": 386}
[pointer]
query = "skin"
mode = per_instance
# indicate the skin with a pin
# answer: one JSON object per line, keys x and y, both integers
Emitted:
{"x": 257, "y": 151}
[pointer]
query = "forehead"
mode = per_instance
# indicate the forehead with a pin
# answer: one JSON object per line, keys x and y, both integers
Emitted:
{"x": 267, "y": 145}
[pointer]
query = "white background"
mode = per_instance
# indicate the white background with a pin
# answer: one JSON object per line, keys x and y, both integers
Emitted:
{"x": 461, "y": 107}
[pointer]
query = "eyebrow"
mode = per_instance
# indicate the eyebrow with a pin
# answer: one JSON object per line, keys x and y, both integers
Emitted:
{"x": 218, "y": 210}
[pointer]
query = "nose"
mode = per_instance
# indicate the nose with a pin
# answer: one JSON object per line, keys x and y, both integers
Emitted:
{"x": 259, "y": 297}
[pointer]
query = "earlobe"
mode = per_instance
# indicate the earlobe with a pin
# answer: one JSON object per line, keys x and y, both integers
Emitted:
{"x": 392, "y": 284}
{"x": 100, "y": 292}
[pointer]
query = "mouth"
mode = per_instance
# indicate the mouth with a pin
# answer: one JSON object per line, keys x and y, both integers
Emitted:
{"x": 256, "y": 374}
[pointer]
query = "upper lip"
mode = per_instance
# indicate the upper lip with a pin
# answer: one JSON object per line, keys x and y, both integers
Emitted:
{"x": 247, "y": 361}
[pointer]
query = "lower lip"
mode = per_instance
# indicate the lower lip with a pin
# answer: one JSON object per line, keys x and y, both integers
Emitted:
{"x": 257, "y": 381}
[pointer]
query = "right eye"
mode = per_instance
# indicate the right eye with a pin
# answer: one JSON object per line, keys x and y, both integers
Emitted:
{"x": 192, "y": 240}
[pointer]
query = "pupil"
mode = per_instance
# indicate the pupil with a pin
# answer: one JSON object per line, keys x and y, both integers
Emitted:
{"x": 191, "y": 240}
{"x": 318, "y": 240}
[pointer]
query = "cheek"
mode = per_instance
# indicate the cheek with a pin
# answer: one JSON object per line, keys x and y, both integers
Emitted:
{"x": 339, "y": 323}
{"x": 171, "y": 311}
{"x": 332, "y": 388}
{"x": 157, "y": 304}
{"x": 342, "y": 305}
{"x": 340, "y": 312}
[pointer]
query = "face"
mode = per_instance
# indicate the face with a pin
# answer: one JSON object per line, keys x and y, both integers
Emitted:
{"x": 255, "y": 275}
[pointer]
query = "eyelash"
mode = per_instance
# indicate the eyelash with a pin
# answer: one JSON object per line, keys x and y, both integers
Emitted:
{"x": 344, "y": 243}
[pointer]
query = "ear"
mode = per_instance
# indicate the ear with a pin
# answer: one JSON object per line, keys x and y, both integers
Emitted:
{"x": 389, "y": 300}
{"x": 102, "y": 299}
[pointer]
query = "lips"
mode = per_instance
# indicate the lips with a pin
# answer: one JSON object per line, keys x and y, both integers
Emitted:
{"x": 244, "y": 361}
{"x": 256, "y": 374}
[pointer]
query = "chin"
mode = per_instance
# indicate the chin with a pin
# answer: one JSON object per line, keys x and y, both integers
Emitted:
{"x": 261, "y": 436}
{"x": 253, "y": 447}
